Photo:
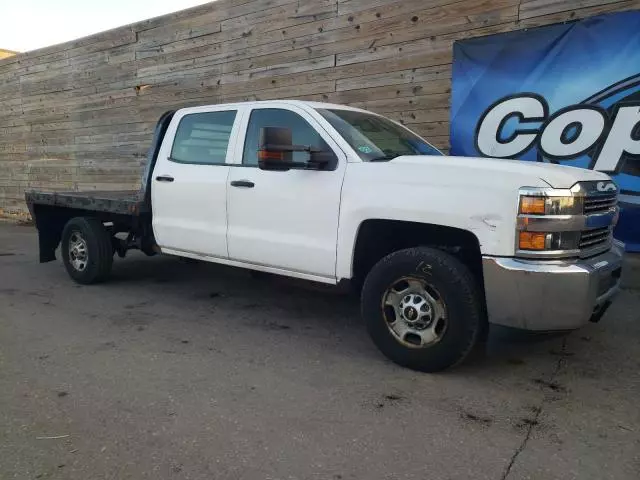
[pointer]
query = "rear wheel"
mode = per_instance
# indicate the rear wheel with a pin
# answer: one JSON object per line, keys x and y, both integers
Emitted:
{"x": 422, "y": 309}
{"x": 87, "y": 250}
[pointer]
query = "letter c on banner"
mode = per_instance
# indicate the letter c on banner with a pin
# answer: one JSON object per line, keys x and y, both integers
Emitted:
{"x": 527, "y": 108}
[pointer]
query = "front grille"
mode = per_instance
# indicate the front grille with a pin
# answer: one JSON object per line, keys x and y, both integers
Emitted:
{"x": 598, "y": 206}
{"x": 593, "y": 238}
{"x": 599, "y": 203}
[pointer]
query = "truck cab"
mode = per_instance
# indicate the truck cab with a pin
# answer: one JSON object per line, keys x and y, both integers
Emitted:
{"x": 438, "y": 246}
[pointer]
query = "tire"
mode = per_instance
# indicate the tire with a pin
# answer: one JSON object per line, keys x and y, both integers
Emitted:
{"x": 88, "y": 235}
{"x": 447, "y": 324}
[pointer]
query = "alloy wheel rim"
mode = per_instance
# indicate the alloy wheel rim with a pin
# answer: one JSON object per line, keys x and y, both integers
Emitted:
{"x": 414, "y": 312}
{"x": 78, "y": 251}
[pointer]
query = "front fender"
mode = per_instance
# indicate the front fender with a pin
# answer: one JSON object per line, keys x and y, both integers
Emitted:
{"x": 489, "y": 214}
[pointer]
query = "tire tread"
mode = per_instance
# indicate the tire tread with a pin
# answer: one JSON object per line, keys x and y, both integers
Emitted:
{"x": 463, "y": 280}
{"x": 99, "y": 245}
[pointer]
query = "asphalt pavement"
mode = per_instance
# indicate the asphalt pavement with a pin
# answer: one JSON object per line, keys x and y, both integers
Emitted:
{"x": 177, "y": 370}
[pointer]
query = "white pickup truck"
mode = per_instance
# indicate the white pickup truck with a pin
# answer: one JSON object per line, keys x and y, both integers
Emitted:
{"x": 438, "y": 246}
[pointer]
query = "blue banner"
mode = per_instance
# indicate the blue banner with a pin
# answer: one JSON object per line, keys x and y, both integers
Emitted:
{"x": 566, "y": 93}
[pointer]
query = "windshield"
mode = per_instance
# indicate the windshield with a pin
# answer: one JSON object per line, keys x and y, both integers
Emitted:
{"x": 376, "y": 138}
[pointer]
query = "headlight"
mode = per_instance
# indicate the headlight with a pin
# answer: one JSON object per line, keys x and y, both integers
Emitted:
{"x": 548, "y": 221}
{"x": 540, "y": 241}
{"x": 561, "y": 223}
{"x": 542, "y": 205}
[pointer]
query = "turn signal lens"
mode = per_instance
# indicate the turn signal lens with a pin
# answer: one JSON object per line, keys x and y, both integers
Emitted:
{"x": 270, "y": 155}
{"x": 533, "y": 205}
{"x": 550, "y": 205}
{"x": 532, "y": 241}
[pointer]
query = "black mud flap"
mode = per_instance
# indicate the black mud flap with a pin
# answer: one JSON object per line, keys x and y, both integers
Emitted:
{"x": 49, "y": 227}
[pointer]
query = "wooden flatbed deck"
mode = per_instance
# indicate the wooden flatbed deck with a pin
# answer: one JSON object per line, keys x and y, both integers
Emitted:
{"x": 128, "y": 202}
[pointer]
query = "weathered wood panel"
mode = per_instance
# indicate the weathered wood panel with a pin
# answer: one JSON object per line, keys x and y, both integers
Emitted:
{"x": 576, "y": 12}
{"x": 538, "y": 8}
{"x": 80, "y": 115}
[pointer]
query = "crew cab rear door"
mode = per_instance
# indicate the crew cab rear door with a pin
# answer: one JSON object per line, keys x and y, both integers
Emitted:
{"x": 286, "y": 220}
{"x": 189, "y": 181}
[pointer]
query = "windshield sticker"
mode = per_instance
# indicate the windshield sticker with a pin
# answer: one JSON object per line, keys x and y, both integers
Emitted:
{"x": 365, "y": 149}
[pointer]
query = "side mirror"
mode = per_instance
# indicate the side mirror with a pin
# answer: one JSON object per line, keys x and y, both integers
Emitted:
{"x": 276, "y": 152}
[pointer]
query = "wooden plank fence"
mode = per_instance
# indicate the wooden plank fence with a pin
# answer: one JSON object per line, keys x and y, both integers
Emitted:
{"x": 79, "y": 115}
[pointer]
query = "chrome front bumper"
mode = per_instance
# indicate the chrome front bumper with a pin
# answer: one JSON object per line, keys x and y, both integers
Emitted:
{"x": 551, "y": 295}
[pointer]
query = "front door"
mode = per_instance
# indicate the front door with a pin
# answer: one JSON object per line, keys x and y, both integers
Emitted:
{"x": 286, "y": 220}
{"x": 189, "y": 183}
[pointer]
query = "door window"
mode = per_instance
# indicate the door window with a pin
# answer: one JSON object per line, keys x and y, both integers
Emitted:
{"x": 203, "y": 138}
{"x": 302, "y": 133}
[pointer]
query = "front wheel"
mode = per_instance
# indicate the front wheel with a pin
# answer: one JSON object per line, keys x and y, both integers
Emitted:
{"x": 87, "y": 250}
{"x": 422, "y": 309}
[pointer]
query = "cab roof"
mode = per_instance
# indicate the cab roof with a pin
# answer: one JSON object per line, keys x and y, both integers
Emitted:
{"x": 266, "y": 103}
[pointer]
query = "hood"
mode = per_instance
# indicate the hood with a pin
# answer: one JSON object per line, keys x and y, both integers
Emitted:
{"x": 556, "y": 176}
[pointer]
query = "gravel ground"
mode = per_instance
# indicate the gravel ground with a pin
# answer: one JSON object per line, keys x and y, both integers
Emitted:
{"x": 196, "y": 371}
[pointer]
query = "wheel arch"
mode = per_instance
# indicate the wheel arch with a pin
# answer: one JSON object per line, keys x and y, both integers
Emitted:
{"x": 377, "y": 238}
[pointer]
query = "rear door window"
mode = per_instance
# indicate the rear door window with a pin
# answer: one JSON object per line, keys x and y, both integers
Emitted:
{"x": 203, "y": 138}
